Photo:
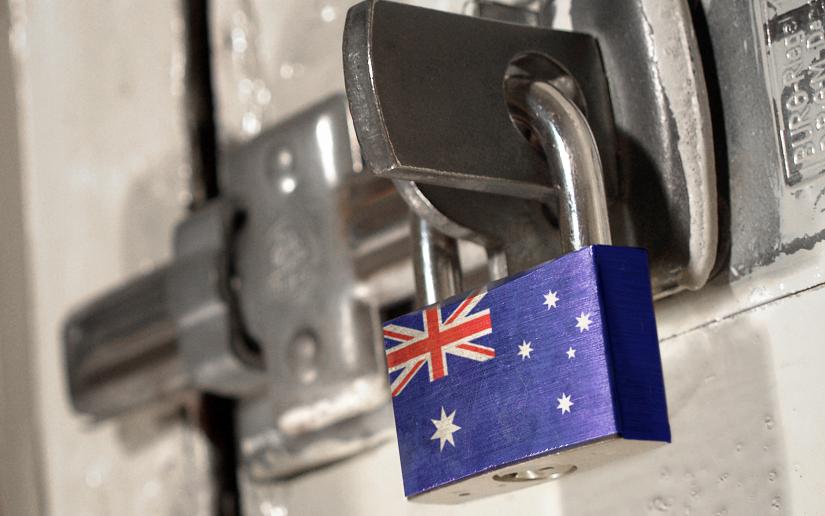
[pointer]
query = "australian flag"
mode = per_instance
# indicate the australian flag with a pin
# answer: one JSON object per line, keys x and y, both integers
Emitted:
{"x": 558, "y": 356}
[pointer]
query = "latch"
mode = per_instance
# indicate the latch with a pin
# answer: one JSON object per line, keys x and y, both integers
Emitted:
{"x": 269, "y": 300}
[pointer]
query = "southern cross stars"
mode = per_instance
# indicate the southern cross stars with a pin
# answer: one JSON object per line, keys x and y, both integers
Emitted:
{"x": 583, "y": 322}
{"x": 444, "y": 429}
{"x": 571, "y": 353}
{"x": 564, "y": 403}
{"x": 525, "y": 349}
{"x": 550, "y": 299}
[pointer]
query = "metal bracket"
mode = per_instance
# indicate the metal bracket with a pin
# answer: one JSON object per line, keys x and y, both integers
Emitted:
{"x": 296, "y": 279}
{"x": 453, "y": 135}
{"x": 266, "y": 302}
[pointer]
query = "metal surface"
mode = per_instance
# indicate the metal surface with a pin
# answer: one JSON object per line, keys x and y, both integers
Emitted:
{"x": 399, "y": 129}
{"x": 294, "y": 268}
{"x": 421, "y": 206}
{"x": 216, "y": 354}
{"x": 572, "y": 157}
{"x": 306, "y": 216}
{"x": 477, "y": 470}
{"x": 663, "y": 131}
{"x": 794, "y": 36}
{"x": 439, "y": 139}
{"x": 165, "y": 333}
{"x": 121, "y": 349}
{"x": 746, "y": 350}
{"x": 435, "y": 262}
{"x": 766, "y": 57}
{"x": 662, "y": 124}
{"x": 272, "y": 60}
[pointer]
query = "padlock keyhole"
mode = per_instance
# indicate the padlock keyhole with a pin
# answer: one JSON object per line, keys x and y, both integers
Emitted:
{"x": 532, "y": 475}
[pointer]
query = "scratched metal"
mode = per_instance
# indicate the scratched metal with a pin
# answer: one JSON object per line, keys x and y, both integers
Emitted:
{"x": 791, "y": 37}
{"x": 796, "y": 80}
{"x": 762, "y": 59}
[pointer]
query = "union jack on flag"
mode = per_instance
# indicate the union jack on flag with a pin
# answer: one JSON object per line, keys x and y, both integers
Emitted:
{"x": 453, "y": 335}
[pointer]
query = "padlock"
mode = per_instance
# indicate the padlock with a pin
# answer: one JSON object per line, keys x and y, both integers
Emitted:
{"x": 552, "y": 371}
{"x": 545, "y": 373}
{"x": 555, "y": 369}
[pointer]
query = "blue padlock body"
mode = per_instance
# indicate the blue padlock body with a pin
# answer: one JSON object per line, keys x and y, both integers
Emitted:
{"x": 506, "y": 376}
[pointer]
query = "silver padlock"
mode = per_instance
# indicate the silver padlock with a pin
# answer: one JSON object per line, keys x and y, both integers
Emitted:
{"x": 553, "y": 370}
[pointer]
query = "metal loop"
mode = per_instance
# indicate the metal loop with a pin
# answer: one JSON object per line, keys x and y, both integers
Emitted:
{"x": 573, "y": 159}
{"x": 435, "y": 263}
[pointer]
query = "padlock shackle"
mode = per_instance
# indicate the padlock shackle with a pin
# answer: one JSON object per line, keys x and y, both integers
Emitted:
{"x": 573, "y": 160}
{"x": 435, "y": 263}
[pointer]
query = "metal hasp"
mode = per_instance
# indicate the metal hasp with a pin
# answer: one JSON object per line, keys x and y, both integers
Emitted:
{"x": 266, "y": 301}
{"x": 426, "y": 92}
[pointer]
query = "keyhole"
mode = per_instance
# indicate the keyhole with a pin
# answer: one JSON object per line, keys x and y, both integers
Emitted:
{"x": 532, "y": 475}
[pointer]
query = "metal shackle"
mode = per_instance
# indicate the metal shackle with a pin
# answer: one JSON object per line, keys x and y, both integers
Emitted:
{"x": 573, "y": 160}
{"x": 572, "y": 156}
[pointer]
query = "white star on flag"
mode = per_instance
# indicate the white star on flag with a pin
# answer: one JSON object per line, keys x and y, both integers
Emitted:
{"x": 571, "y": 353}
{"x": 524, "y": 349}
{"x": 564, "y": 403}
{"x": 550, "y": 299}
{"x": 444, "y": 429}
{"x": 583, "y": 322}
